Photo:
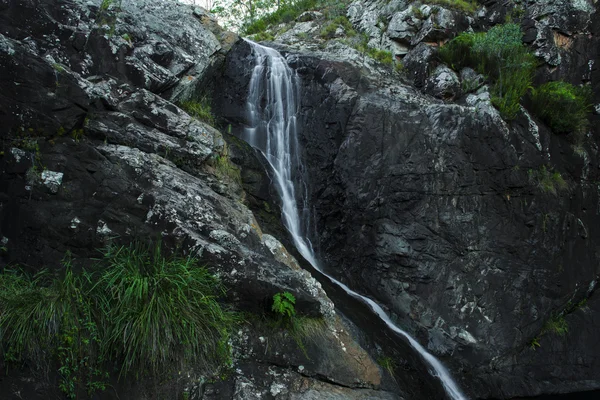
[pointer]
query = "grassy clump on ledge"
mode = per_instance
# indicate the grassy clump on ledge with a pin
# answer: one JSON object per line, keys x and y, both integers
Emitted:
{"x": 499, "y": 54}
{"x": 466, "y": 6}
{"x": 548, "y": 181}
{"x": 199, "y": 108}
{"x": 143, "y": 313}
{"x": 562, "y": 106}
{"x": 329, "y": 30}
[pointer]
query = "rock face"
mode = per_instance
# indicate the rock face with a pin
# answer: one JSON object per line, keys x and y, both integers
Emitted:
{"x": 439, "y": 210}
{"x": 95, "y": 151}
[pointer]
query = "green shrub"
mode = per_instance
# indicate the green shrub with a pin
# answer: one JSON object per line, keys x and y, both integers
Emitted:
{"x": 288, "y": 12}
{"x": 562, "y": 106}
{"x": 285, "y": 13}
{"x": 501, "y": 56}
{"x": 199, "y": 108}
{"x": 457, "y": 52}
{"x": 263, "y": 36}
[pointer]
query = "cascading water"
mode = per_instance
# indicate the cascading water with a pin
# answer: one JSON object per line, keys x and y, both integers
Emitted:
{"x": 272, "y": 107}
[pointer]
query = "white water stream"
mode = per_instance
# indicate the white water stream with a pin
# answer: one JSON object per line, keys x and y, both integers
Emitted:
{"x": 272, "y": 106}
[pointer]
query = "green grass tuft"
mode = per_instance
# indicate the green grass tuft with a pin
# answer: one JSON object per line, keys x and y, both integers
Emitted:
{"x": 501, "y": 56}
{"x": 146, "y": 313}
{"x": 161, "y": 313}
{"x": 199, "y": 108}
{"x": 557, "y": 325}
{"x": 466, "y": 6}
{"x": 329, "y": 30}
{"x": 562, "y": 106}
{"x": 548, "y": 181}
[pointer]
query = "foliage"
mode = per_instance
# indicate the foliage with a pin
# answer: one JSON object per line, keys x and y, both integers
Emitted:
{"x": 499, "y": 54}
{"x": 199, "y": 108}
{"x": 146, "y": 313}
{"x": 466, "y": 6}
{"x": 329, "y": 30}
{"x": 160, "y": 313}
{"x": 534, "y": 343}
{"x": 283, "y": 305}
{"x": 388, "y": 364}
{"x": 549, "y": 181}
{"x": 226, "y": 170}
{"x": 41, "y": 316}
{"x": 289, "y": 11}
{"x": 563, "y": 106}
{"x": 263, "y": 36}
{"x": 105, "y": 5}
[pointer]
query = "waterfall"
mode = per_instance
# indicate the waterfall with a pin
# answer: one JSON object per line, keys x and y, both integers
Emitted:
{"x": 272, "y": 107}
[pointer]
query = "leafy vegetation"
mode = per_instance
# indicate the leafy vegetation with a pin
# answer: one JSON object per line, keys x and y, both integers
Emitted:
{"x": 199, "y": 108}
{"x": 160, "y": 313}
{"x": 329, "y": 30}
{"x": 562, "y": 106}
{"x": 466, "y": 6}
{"x": 40, "y": 315}
{"x": 283, "y": 305}
{"x": 289, "y": 11}
{"x": 502, "y": 57}
{"x": 146, "y": 313}
{"x": 547, "y": 180}
{"x": 300, "y": 328}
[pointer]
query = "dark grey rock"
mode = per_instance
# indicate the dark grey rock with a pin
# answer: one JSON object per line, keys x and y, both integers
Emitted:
{"x": 443, "y": 84}
{"x": 418, "y": 63}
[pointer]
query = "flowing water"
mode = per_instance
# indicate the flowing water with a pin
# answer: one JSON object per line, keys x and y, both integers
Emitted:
{"x": 272, "y": 107}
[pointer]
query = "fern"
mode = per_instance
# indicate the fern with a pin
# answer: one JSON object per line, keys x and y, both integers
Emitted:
{"x": 283, "y": 304}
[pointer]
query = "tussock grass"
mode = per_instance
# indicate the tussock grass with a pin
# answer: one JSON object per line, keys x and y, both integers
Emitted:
{"x": 161, "y": 313}
{"x": 562, "y": 106}
{"x": 548, "y": 181}
{"x": 199, "y": 108}
{"x": 145, "y": 312}
{"x": 502, "y": 57}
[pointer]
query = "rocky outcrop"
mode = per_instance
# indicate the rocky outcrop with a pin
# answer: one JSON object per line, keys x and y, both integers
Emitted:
{"x": 439, "y": 210}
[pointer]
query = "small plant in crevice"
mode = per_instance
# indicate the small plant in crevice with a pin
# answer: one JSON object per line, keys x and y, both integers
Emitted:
{"x": 547, "y": 180}
{"x": 300, "y": 328}
{"x": 388, "y": 364}
{"x": 534, "y": 343}
{"x": 284, "y": 305}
